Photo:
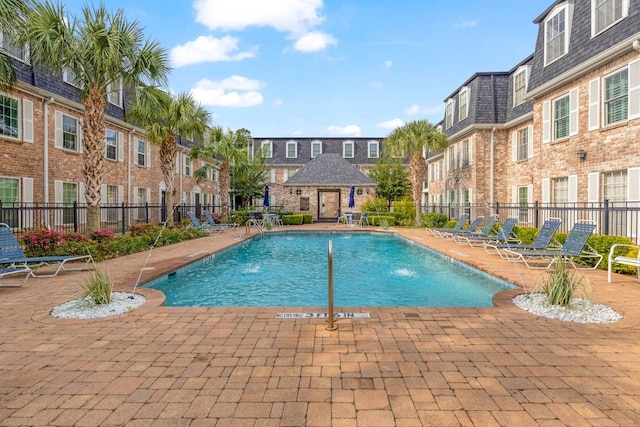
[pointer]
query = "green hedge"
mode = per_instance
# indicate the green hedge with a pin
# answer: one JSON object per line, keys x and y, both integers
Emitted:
{"x": 434, "y": 220}
{"x": 307, "y": 218}
{"x": 375, "y": 219}
{"x": 292, "y": 219}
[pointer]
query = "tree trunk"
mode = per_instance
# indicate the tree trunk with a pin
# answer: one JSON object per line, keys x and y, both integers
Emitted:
{"x": 225, "y": 185}
{"x": 168, "y": 154}
{"x": 418, "y": 168}
{"x": 93, "y": 136}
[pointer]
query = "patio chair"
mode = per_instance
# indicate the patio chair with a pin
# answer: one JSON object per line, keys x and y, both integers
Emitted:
{"x": 437, "y": 232}
{"x": 575, "y": 247}
{"x": 14, "y": 270}
{"x": 12, "y": 257}
{"x": 618, "y": 256}
{"x": 450, "y": 235}
{"x": 195, "y": 223}
{"x": 212, "y": 222}
{"x": 486, "y": 231}
{"x": 544, "y": 240}
{"x": 504, "y": 236}
{"x": 364, "y": 219}
{"x": 257, "y": 217}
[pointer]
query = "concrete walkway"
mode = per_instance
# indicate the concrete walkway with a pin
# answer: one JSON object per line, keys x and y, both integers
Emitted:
{"x": 165, "y": 366}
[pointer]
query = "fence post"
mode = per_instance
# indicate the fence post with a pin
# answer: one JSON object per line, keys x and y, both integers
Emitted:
{"x": 536, "y": 213}
{"x": 146, "y": 212}
{"x": 498, "y": 208}
{"x": 75, "y": 217}
{"x": 605, "y": 219}
{"x": 123, "y": 217}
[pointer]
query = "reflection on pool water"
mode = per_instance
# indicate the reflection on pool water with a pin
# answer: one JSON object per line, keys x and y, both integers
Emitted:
{"x": 290, "y": 269}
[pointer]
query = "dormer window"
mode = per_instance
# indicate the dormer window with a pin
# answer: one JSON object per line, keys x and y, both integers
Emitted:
{"x": 11, "y": 48}
{"x": 449, "y": 114}
{"x": 520, "y": 81}
{"x": 267, "y": 149}
{"x": 347, "y": 149}
{"x": 557, "y": 28}
{"x": 607, "y": 13}
{"x": 316, "y": 148}
{"x": 114, "y": 93}
{"x": 463, "y": 110}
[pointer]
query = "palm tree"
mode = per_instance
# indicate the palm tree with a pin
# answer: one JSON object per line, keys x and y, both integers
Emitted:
{"x": 102, "y": 50}
{"x": 411, "y": 140}
{"x": 165, "y": 118}
{"x": 12, "y": 20}
{"x": 228, "y": 147}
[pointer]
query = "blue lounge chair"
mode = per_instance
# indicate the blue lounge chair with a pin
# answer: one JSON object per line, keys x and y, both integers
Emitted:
{"x": 195, "y": 222}
{"x": 437, "y": 232}
{"x": 212, "y": 222}
{"x": 544, "y": 240}
{"x": 504, "y": 236}
{"x": 14, "y": 270}
{"x": 575, "y": 247}
{"x": 486, "y": 231}
{"x": 13, "y": 257}
{"x": 450, "y": 235}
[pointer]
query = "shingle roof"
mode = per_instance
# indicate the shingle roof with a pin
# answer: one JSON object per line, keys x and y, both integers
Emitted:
{"x": 329, "y": 169}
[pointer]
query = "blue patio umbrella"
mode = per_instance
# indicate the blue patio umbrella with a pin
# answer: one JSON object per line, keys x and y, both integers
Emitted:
{"x": 352, "y": 199}
{"x": 265, "y": 202}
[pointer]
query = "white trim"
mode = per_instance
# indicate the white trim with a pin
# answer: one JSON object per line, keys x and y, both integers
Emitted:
{"x": 545, "y": 187}
{"x": 593, "y": 188}
{"x": 27, "y": 120}
{"x": 546, "y": 122}
{"x": 594, "y": 104}
{"x": 574, "y": 104}
{"x": 634, "y": 90}
{"x": 625, "y": 13}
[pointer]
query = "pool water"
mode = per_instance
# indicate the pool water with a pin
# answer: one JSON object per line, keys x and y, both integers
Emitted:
{"x": 291, "y": 269}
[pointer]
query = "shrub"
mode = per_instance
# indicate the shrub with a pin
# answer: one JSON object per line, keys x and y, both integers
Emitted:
{"x": 560, "y": 283}
{"x": 405, "y": 212}
{"x": 100, "y": 235}
{"x": 292, "y": 219}
{"x": 43, "y": 241}
{"x": 526, "y": 234}
{"x": 144, "y": 229}
{"x": 375, "y": 205}
{"x": 377, "y": 219}
{"x": 307, "y": 218}
{"x": 434, "y": 220}
{"x": 98, "y": 287}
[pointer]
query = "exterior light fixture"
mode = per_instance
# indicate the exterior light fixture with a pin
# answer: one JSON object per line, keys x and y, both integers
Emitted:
{"x": 582, "y": 155}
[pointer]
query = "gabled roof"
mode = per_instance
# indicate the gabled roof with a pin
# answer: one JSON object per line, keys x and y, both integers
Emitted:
{"x": 329, "y": 170}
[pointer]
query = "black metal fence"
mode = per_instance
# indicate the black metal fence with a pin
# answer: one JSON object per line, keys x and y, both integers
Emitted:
{"x": 612, "y": 218}
{"x": 117, "y": 218}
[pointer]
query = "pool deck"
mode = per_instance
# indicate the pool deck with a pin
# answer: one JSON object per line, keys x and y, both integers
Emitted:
{"x": 167, "y": 366}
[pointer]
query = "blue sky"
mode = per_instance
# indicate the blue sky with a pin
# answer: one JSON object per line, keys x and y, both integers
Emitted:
{"x": 320, "y": 68}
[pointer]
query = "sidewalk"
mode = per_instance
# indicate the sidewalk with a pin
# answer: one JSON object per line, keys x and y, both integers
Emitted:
{"x": 166, "y": 366}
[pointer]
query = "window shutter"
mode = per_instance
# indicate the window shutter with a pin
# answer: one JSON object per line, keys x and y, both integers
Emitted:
{"x": 593, "y": 189}
{"x": 120, "y": 146}
{"x": 594, "y": 104}
{"x": 633, "y": 189}
{"x": 27, "y": 120}
{"x": 148, "y": 199}
{"x": 285, "y": 175}
{"x": 58, "y": 126}
{"x": 546, "y": 122}
{"x": 120, "y": 194}
{"x": 272, "y": 178}
{"x": 546, "y": 190}
{"x": 178, "y": 163}
{"x": 514, "y": 146}
{"x": 471, "y": 151}
{"x": 634, "y": 90}
{"x": 530, "y": 194}
{"x": 58, "y": 198}
{"x": 572, "y": 196}
{"x": 103, "y": 193}
{"x": 147, "y": 157}
{"x": 530, "y": 141}
{"x": 82, "y": 199}
{"x": 574, "y": 103}
{"x": 27, "y": 199}
{"x": 514, "y": 195}
{"x": 79, "y": 122}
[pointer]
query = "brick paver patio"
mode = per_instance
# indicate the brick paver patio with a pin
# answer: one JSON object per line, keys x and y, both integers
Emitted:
{"x": 165, "y": 366}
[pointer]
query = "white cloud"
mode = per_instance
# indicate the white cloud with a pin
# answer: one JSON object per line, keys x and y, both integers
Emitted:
{"x": 314, "y": 41}
{"x": 277, "y": 102}
{"x": 388, "y": 64}
{"x": 290, "y": 16}
{"x": 234, "y": 91}
{"x": 416, "y": 109}
{"x": 375, "y": 85}
{"x": 350, "y": 130}
{"x": 391, "y": 124}
{"x": 209, "y": 49}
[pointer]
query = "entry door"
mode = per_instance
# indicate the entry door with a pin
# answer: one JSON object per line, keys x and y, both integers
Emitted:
{"x": 328, "y": 204}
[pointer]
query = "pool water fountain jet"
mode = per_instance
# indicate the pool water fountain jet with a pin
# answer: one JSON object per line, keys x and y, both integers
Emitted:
{"x": 330, "y": 319}
{"x": 153, "y": 245}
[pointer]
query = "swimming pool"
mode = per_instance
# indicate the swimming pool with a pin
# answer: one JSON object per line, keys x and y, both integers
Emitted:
{"x": 290, "y": 269}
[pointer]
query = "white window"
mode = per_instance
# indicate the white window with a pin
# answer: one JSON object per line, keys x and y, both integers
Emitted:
{"x": 142, "y": 197}
{"x": 292, "y": 149}
{"x": 9, "y": 47}
{"x": 373, "y": 149}
{"x": 9, "y": 117}
{"x": 560, "y": 191}
{"x": 452, "y": 156}
{"x": 114, "y": 93}
{"x": 556, "y": 33}
{"x": 266, "y": 147}
{"x": 561, "y": 117}
{"x": 606, "y": 13}
{"x": 440, "y": 169}
{"x": 68, "y": 76}
{"x": 520, "y": 82}
{"x": 347, "y": 149}
{"x": 111, "y": 145}
{"x": 466, "y": 153}
{"x": 69, "y": 198}
{"x": 522, "y": 197}
{"x": 112, "y": 199}
{"x": 187, "y": 166}
{"x": 522, "y": 148}
{"x": 463, "y": 109}
{"x": 142, "y": 153}
{"x": 449, "y": 114}
{"x": 67, "y": 135}
{"x": 616, "y": 97}
{"x": 316, "y": 148}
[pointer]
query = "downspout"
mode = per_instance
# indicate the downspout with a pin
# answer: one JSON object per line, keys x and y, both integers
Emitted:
{"x": 129, "y": 157}
{"x": 491, "y": 165}
{"x": 45, "y": 150}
